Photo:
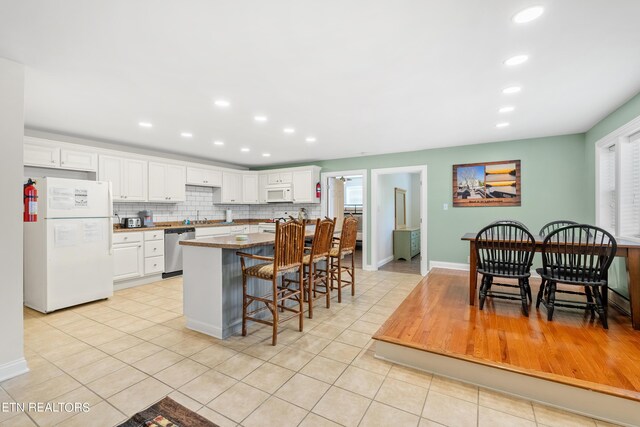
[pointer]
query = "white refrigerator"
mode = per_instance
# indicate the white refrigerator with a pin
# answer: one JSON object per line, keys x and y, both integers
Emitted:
{"x": 68, "y": 251}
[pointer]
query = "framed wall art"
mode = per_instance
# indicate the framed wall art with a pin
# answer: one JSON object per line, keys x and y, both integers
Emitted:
{"x": 487, "y": 184}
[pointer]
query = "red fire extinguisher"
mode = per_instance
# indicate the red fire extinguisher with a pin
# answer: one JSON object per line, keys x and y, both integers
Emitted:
{"x": 318, "y": 190}
{"x": 30, "y": 201}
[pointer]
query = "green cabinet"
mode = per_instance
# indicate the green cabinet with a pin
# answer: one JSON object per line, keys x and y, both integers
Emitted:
{"x": 406, "y": 243}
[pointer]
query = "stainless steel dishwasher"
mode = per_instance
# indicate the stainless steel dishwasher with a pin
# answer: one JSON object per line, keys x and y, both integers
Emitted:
{"x": 173, "y": 250}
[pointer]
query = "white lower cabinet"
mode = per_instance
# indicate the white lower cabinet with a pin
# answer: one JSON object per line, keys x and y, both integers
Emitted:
{"x": 137, "y": 254}
{"x": 128, "y": 256}
{"x": 153, "y": 265}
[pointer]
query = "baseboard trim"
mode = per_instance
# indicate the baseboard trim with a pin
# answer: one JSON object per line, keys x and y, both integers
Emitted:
{"x": 13, "y": 369}
{"x": 139, "y": 281}
{"x": 461, "y": 266}
{"x": 448, "y": 265}
{"x": 385, "y": 261}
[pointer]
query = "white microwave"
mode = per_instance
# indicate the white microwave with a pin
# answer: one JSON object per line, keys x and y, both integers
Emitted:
{"x": 279, "y": 193}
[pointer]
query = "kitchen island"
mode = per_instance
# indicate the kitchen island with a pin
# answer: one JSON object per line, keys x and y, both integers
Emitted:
{"x": 212, "y": 281}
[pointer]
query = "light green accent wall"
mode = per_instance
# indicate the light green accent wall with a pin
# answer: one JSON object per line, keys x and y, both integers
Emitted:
{"x": 553, "y": 180}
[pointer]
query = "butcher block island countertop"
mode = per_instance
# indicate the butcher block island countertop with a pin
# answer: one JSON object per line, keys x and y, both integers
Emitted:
{"x": 230, "y": 242}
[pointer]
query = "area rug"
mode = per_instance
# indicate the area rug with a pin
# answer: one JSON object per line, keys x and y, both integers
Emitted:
{"x": 167, "y": 413}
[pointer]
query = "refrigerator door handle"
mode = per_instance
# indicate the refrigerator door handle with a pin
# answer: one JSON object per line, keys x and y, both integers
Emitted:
{"x": 110, "y": 231}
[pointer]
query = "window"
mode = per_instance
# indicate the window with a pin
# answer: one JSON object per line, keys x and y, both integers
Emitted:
{"x": 619, "y": 187}
{"x": 353, "y": 191}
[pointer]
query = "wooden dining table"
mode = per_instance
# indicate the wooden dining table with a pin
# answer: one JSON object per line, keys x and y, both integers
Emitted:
{"x": 627, "y": 249}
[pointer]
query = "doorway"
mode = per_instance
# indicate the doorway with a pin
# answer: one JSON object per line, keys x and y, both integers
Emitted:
{"x": 346, "y": 195}
{"x": 398, "y": 219}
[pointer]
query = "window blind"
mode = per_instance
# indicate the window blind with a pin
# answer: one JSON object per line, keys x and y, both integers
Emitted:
{"x": 608, "y": 195}
{"x": 629, "y": 214}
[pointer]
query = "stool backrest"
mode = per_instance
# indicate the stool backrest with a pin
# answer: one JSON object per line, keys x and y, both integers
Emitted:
{"x": 322, "y": 238}
{"x": 578, "y": 253}
{"x": 554, "y": 225}
{"x": 349, "y": 234}
{"x": 505, "y": 249}
{"x": 289, "y": 245}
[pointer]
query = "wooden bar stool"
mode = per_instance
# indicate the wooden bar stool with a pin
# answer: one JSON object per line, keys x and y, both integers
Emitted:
{"x": 288, "y": 253}
{"x": 316, "y": 280}
{"x": 343, "y": 246}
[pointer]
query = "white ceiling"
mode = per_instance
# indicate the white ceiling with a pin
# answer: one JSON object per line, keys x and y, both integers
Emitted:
{"x": 363, "y": 76}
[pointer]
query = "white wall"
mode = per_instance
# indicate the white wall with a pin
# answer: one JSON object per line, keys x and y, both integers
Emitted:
{"x": 11, "y": 131}
{"x": 386, "y": 209}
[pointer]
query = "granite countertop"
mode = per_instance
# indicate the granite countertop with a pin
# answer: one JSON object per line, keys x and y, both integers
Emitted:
{"x": 230, "y": 242}
{"x": 179, "y": 224}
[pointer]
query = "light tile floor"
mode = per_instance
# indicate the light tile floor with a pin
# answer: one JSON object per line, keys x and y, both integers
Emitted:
{"x": 122, "y": 355}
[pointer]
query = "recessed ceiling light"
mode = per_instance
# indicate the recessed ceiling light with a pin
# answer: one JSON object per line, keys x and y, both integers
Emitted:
{"x": 511, "y": 89}
{"x": 260, "y": 118}
{"x": 266, "y": 155}
{"x": 245, "y": 150}
{"x": 311, "y": 139}
{"x": 528, "y": 14}
{"x": 145, "y": 124}
{"x": 288, "y": 130}
{"x": 502, "y": 125}
{"x": 218, "y": 143}
{"x": 186, "y": 134}
{"x": 222, "y": 103}
{"x": 516, "y": 60}
{"x": 506, "y": 109}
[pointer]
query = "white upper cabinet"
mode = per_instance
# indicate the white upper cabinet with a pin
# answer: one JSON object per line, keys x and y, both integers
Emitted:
{"x": 304, "y": 185}
{"x": 112, "y": 169}
{"x": 279, "y": 178}
{"x": 78, "y": 160}
{"x": 231, "y": 187}
{"x": 48, "y": 154}
{"x": 204, "y": 177}
{"x": 167, "y": 183}
{"x": 250, "y": 188}
{"x": 42, "y": 155}
{"x": 263, "y": 180}
{"x": 128, "y": 177}
{"x": 135, "y": 179}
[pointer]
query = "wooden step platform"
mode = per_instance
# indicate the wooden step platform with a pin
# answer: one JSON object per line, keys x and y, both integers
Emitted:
{"x": 436, "y": 320}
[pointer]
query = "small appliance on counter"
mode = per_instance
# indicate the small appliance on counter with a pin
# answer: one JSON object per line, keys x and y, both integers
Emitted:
{"x": 147, "y": 218}
{"x": 131, "y": 222}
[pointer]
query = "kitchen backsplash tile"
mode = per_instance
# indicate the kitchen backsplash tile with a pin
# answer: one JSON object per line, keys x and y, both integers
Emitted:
{"x": 200, "y": 200}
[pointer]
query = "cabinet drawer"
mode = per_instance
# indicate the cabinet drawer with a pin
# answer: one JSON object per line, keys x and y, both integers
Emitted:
{"x": 154, "y": 265}
{"x": 153, "y": 235}
{"x": 154, "y": 248}
{"x": 125, "y": 237}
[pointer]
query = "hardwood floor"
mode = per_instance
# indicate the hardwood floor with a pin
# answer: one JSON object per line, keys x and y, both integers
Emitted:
{"x": 574, "y": 350}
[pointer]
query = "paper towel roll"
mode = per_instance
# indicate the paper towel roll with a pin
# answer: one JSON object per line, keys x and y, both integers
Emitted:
{"x": 228, "y": 216}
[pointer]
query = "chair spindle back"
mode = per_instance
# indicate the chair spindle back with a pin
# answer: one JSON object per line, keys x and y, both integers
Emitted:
{"x": 554, "y": 225}
{"x": 322, "y": 238}
{"x": 349, "y": 234}
{"x": 289, "y": 245}
{"x": 578, "y": 253}
{"x": 505, "y": 249}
